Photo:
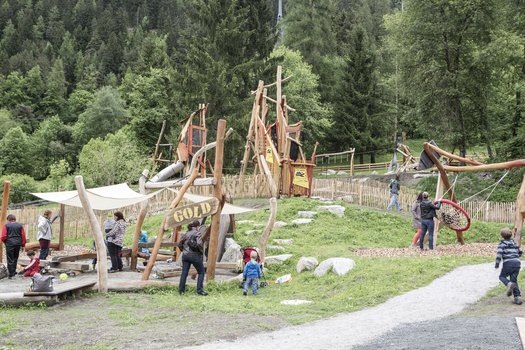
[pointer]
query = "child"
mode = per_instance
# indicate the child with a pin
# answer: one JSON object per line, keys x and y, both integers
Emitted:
{"x": 34, "y": 265}
{"x": 509, "y": 251}
{"x": 252, "y": 273}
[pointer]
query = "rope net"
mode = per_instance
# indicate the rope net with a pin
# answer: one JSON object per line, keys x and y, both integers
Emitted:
{"x": 453, "y": 216}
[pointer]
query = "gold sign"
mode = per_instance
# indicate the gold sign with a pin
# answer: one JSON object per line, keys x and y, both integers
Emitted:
{"x": 300, "y": 177}
{"x": 188, "y": 213}
{"x": 269, "y": 155}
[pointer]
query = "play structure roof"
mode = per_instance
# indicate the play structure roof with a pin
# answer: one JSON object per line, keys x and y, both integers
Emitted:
{"x": 101, "y": 198}
{"x": 226, "y": 210}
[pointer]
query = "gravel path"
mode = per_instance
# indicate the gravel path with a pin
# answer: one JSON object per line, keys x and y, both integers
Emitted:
{"x": 443, "y": 297}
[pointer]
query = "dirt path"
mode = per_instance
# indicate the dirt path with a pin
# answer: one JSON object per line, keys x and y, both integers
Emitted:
{"x": 443, "y": 297}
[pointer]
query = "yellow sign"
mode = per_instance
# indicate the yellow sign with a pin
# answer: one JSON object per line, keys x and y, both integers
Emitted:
{"x": 269, "y": 155}
{"x": 300, "y": 178}
{"x": 188, "y": 213}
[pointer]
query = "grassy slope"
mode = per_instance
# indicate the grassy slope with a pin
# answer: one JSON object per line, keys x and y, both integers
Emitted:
{"x": 371, "y": 282}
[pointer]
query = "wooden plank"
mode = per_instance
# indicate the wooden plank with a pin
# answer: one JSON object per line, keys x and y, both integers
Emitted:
{"x": 61, "y": 259}
{"x": 65, "y": 265}
{"x": 65, "y": 288}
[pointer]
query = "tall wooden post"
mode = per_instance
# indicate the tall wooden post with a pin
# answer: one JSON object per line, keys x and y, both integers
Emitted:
{"x": 160, "y": 233}
{"x": 3, "y": 215}
{"x": 520, "y": 212}
{"x": 217, "y": 193}
{"x": 61, "y": 232}
{"x": 102, "y": 259}
{"x": 140, "y": 220}
{"x": 439, "y": 194}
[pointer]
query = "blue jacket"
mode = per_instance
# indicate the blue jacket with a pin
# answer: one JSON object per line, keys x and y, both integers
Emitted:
{"x": 252, "y": 270}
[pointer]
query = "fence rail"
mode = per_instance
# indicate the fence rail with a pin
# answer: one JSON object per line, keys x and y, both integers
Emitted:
{"x": 375, "y": 194}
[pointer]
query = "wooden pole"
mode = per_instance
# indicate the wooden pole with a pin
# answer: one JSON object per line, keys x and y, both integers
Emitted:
{"x": 102, "y": 260}
{"x": 439, "y": 193}
{"x": 273, "y": 209}
{"x": 520, "y": 213}
{"x": 217, "y": 193}
{"x": 3, "y": 215}
{"x": 140, "y": 220}
{"x": 61, "y": 233}
{"x": 160, "y": 233}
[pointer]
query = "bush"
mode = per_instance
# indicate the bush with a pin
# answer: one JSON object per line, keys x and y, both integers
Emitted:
{"x": 21, "y": 186}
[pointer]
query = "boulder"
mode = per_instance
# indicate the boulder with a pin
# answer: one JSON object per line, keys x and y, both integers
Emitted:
{"x": 283, "y": 241}
{"x": 252, "y": 232}
{"x": 306, "y": 263}
{"x": 302, "y": 221}
{"x": 258, "y": 225}
{"x": 340, "y": 266}
{"x": 334, "y": 209}
{"x": 331, "y": 172}
{"x": 306, "y": 214}
{"x": 232, "y": 252}
{"x": 342, "y": 173}
{"x": 276, "y": 247}
{"x": 277, "y": 259}
{"x": 278, "y": 224}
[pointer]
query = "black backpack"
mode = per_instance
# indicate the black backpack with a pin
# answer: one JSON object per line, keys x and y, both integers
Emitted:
{"x": 193, "y": 243}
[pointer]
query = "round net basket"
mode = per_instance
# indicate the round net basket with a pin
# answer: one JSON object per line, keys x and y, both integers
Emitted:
{"x": 453, "y": 216}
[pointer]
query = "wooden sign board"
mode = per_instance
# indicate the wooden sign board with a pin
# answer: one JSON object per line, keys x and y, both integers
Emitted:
{"x": 188, "y": 213}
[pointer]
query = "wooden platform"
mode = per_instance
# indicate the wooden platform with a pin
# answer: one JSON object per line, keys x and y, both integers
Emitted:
{"x": 61, "y": 291}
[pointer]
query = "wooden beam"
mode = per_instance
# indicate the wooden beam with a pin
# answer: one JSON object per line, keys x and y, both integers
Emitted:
{"x": 273, "y": 209}
{"x": 485, "y": 167}
{"x": 520, "y": 207}
{"x": 3, "y": 214}
{"x": 61, "y": 233}
{"x": 160, "y": 233}
{"x": 102, "y": 260}
{"x": 452, "y": 156}
{"x": 217, "y": 193}
{"x": 180, "y": 183}
{"x": 140, "y": 220}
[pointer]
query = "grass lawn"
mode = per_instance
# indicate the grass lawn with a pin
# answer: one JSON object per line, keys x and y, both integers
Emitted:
{"x": 371, "y": 282}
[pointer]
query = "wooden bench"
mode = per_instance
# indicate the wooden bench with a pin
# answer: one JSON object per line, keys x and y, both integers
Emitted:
{"x": 61, "y": 291}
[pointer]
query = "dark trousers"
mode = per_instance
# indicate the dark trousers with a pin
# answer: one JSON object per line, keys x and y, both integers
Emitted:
{"x": 12, "y": 252}
{"x": 44, "y": 248}
{"x": 427, "y": 225}
{"x": 511, "y": 270}
{"x": 196, "y": 261}
{"x": 114, "y": 254}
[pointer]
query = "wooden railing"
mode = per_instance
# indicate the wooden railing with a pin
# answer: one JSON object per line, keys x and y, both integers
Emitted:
{"x": 376, "y": 194}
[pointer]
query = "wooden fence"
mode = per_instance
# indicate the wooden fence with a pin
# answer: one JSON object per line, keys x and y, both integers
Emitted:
{"x": 347, "y": 168}
{"x": 376, "y": 194}
{"x": 76, "y": 223}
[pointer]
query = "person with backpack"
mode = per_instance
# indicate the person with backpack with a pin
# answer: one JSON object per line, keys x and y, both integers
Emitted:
{"x": 428, "y": 213}
{"x": 191, "y": 246}
{"x": 394, "y": 187}
{"x": 14, "y": 238}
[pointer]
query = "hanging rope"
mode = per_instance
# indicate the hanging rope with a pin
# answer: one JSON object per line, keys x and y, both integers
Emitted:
{"x": 486, "y": 199}
{"x": 452, "y": 187}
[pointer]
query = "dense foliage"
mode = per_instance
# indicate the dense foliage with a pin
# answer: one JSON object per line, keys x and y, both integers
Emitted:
{"x": 362, "y": 71}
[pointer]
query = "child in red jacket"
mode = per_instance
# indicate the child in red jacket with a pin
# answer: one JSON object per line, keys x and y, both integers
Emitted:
{"x": 34, "y": 265}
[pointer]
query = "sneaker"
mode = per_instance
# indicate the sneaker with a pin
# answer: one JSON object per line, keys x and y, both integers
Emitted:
{"x": 517, "y": 301}
{"x": 203, "y": 293}
{"x": 510, "y": 288}
{"x": 244, "y": 293}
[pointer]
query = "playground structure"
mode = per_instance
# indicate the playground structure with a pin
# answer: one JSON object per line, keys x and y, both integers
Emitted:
{"x": 430, "y": 157}
{"x": 279, "y": 143}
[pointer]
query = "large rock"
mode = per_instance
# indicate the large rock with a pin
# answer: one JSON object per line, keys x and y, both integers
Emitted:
{"x": 283, "y": 241}
{"x": 252, "y": 232}
{"x": 232, "y": 252}
{"x": 331, "y": 172}
{"x": 306, "y": 263}
{"x": 302, "y": 221}
{"x": 278, "y": 224}
{"x": 340, "y": 266}
{"x": 276, "y": 247}
{"x": 306, "y": 214}
{"x": 277, "y": 259}
{"x": 334, "y": 209}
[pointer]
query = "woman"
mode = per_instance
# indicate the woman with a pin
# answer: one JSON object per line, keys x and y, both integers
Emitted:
{"x": 115, "y": 239}
{"x": 45, "y": 233}
{"x": 416, "y": 215}
{"x": 191, "y": 246}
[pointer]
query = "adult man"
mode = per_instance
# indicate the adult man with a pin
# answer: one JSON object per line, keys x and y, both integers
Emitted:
{"x": 14, "y": 238}
{"x": 191, "y": 246}
{"x": 394, "y": 187}
{"x": 428, "y": 213}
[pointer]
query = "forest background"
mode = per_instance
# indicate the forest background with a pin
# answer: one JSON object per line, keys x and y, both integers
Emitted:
{"x": 86, "y": 84}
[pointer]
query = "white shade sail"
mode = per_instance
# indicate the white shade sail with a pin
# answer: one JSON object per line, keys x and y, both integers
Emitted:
{"x": 101, "y": 198}
{"x": 226, "y": 210}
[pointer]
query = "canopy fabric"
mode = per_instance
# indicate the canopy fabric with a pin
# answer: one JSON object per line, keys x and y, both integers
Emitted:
{"x": 101, "y": 198}
{"x": 227, "y": 209}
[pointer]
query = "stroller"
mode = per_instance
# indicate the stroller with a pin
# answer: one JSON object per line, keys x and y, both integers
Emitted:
{"x": 246, "y": 257}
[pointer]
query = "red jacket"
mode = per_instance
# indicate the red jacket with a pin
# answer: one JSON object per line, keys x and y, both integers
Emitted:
{"x": 5, "y": 237}
{"x": 32, "y": 268}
